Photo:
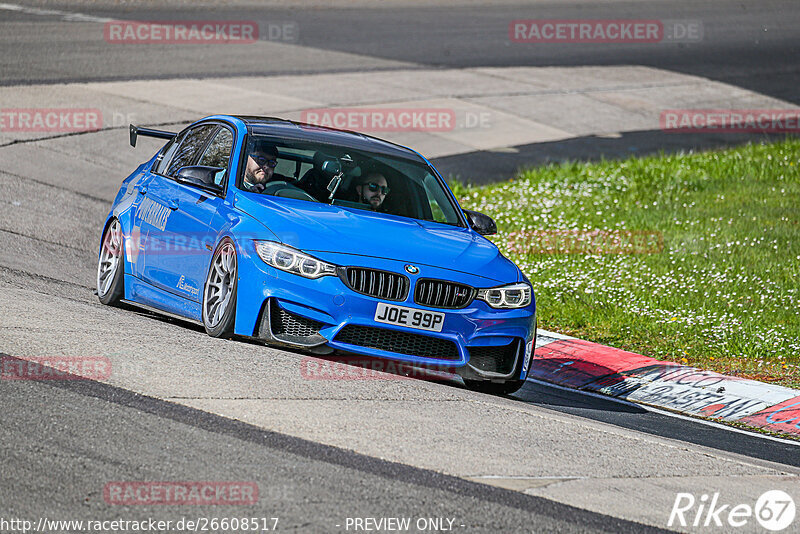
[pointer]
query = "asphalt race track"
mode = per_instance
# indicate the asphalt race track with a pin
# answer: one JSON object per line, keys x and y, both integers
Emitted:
{"x": 181, "y": 406}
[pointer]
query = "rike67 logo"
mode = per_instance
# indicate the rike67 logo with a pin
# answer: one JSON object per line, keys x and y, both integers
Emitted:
{"x": 774, "y": 510}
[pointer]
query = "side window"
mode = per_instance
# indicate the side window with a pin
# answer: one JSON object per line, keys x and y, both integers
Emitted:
{"x": 287, "y": 167}
{"x": 441, "y": 209}
{"x": 192, "y": 144}
{"x": 218, "y": 153}
{"x": 169, "y": 151}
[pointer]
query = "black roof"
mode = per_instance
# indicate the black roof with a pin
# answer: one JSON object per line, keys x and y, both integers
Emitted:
{"x": 292, "y": 130}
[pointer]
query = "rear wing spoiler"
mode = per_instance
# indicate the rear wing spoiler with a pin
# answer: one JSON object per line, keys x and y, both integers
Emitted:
{"x": 135, "y": 131}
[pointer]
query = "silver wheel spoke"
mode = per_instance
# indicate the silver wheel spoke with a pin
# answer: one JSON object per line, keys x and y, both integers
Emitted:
{"x": 219, "y": 286}
{"x": 110, "y": 254}
{"x": 228, "y": 262}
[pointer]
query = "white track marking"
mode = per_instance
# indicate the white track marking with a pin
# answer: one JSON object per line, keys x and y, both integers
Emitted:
{"x": 664, "y": 412}
{"x": 554, "y": 335}
{"x": 65, "y": 15}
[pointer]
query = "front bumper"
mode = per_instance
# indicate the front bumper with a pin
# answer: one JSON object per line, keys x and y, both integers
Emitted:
{"x": 477, "y": 341}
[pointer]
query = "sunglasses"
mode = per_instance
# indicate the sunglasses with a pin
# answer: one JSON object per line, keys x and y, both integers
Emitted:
{"x": 261, "y": 160}
{"x": 384, "y": 189}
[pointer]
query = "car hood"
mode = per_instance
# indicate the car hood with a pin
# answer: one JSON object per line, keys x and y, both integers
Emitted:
{"x": 318, "y": 228}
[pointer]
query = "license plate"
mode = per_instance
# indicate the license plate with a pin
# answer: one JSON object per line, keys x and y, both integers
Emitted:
{"x": 409, "y": 317}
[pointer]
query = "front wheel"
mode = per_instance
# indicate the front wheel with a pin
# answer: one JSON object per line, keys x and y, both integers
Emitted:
{"x": 494, "y": 388}
{"x": 219, "y": 295}
{"x": 110, "y": 265}
{"x": 509, "y": 386}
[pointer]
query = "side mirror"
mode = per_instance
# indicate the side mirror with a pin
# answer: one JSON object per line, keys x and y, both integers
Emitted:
{"x": 200, "y": 176}
{"x": 483, "y": 224}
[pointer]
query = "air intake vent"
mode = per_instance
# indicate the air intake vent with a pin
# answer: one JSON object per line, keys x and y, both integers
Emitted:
{"x": 399, "y": 342}
{"x": 285, "y": 324}
{"x": 442, "y": 294}
{"x": 497, "y": 359}
{"x": 375, "y": 283}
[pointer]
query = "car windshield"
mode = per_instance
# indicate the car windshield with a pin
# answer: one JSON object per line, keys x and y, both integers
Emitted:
{"x": 345, "y": 177}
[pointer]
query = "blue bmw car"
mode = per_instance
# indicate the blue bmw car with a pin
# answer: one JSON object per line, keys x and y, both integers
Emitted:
{"x": 320, "y": 240}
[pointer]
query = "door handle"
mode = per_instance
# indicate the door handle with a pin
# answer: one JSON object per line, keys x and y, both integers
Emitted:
{"x": 143, "y": 190}
{"x": 173, "y": 204}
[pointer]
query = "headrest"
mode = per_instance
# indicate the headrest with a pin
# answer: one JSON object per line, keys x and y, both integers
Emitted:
{"x": 320, "y": 158}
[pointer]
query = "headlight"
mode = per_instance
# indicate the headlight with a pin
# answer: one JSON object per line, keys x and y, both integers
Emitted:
{"x": 511, "y": 296}
{"x": 292, "y": 260}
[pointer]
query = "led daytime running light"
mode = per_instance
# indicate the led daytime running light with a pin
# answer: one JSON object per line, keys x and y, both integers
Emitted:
{"x": 508, "y": 297}
{"x": 292, "y": 260}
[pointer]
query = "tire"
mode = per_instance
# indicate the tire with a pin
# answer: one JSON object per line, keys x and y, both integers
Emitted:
{"x": 219, "y": 292}
{"x": 111, "y": 265}
{"x": 494, "y": 388}
{"x": 508, "y": 387}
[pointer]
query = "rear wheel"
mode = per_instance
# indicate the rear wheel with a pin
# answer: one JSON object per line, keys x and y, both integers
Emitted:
{"x": 110, "y": 265}
{"x": 219, "y": 295}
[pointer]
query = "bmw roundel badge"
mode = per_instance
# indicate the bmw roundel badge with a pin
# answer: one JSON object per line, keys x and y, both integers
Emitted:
{"x": 412, "y": 269}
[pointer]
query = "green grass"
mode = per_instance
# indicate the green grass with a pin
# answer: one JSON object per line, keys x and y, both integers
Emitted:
{"x": 724, "y": 291}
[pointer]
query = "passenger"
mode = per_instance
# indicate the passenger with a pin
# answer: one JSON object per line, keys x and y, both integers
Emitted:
{"x": 260, "y": 168}
{"x": 372, "y": 189}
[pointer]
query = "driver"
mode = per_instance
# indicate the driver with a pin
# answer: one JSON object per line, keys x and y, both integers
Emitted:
{"x": 372, "y": 189}
{"x": 260, "y": 169}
